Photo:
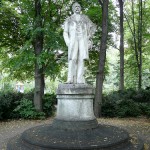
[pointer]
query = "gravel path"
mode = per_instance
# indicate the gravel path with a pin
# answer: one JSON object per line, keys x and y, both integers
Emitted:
{"x": 137, "y": 127}
{"x": 13, "y": 127}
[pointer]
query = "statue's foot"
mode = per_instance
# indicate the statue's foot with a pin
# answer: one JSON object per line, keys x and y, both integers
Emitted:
{"x": 80, "y": 82}
{"x": 69, "y": 82}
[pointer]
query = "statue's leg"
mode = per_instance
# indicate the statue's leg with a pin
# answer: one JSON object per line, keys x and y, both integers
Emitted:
{"x": 70, "y": 75}
{"x": 80, "y": 71}
{"x": 80, "y": 64}
{"x": 72, "y": 65}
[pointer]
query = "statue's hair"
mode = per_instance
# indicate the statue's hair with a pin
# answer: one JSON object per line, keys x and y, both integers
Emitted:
{"x": 74, "y": 5}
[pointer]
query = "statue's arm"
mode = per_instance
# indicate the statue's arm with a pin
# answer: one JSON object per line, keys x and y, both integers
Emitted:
{"x": 66, "y": 33}
{"x": 91, "y": 27}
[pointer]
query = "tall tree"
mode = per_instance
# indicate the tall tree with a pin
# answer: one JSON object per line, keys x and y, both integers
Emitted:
{"x": 140, "y": 34}
{"x": 102, "y": 58}
{"x": 38, "y": 48}
{"x": 31, "y": 38}
{"x": 121, "y": 86}
{"x": 135, "y": 23}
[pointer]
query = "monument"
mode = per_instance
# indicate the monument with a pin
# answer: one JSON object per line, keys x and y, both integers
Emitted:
{"x": 75, "y": 126}
{"x": 78, "y": 31}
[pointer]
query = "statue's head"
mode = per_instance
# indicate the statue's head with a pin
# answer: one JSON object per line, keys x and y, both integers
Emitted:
{"x": 76, "y": 8}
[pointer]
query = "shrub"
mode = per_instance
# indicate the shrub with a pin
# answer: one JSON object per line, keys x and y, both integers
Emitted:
{"x": 142, "y": 96}
{"x": 127, "y": 103}
{"x": 8, "y": 102}
{"x": 26, "y": 110}
{"x": 49, "y": 101}
{"x": 29, "y": 95}
{"x": 128, "y": 108}
{"x": 23, "y": 103}
{"x": 137, "y": 96}
{"x": 145, "y": 109}
{"x": 109, "y": 109}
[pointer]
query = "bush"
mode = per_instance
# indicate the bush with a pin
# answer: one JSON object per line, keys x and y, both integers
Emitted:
{"x": 109, "y": 109}
{"x": 119, "y": 95}
{"x": 23, "y": 103}
{"x": 26, "y": 110}
{"x": 127, "y": 103}
{"x": 29, "y": 95}
{"x": 8, "y": 102}
{"x": 145, "y": 109}
{"x": 142, "y": 96}
{"x": 137, "y": 96}
{"x": 128, "y": 108}
{"x": 49, "y": 101}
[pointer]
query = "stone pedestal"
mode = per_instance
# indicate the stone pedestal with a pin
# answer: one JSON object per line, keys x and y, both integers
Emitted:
{"x": 75, "y": 127}
{"x": 75, "y": 107}
{"x": 75, "y": 103}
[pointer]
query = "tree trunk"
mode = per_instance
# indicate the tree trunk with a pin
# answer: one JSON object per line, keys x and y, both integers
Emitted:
{"x": 102, "y": 58}
{"x": 38, "y": 47}
{"x": 121, "y": 87}
{"x": 140, "y": 44}
{"x": 137, "y": 39}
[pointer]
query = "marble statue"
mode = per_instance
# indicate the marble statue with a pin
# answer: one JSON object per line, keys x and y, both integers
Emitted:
{"x": 78, "y": 31}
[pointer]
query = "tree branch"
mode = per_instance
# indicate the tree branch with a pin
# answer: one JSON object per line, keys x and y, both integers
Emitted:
{"x": 113, "y": 46}
{"x": 101, "y": 3}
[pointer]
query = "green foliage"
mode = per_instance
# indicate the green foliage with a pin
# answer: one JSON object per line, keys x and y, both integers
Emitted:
{"x": 29, "y": 95}
{"x": 49, "y": 100}
{"x": 18, "y": 34}
{"x": 142, "y": 96}
{"x": 109, "y": 109}
{"x": 128, "y": 103}
{"x": 18, "y": 105}
{"x": 26, "y": 110}
{"x": 145, "y": 108}
{"x": 137, "y": 96}
{"x": 128, "y": 108}
{"x": 8, "y": 102}
{"x": 132, "y": 40}
{"x": 6, "y": 87}
{"x": 9, "y": 25}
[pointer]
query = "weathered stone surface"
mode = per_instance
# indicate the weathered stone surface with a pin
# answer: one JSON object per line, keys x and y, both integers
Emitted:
{"x": 75, "y": 125}
{"x": 75, "y": 102}
{"x": 80, "y": 89}
{"x": 78, "y": 31}
{"x": 47, "y": 137}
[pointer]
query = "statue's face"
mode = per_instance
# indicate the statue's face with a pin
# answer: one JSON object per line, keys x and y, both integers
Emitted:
{"x": 77, "y": 9}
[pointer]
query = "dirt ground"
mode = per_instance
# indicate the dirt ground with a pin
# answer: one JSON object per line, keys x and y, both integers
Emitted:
{"x": 137, "y": 127}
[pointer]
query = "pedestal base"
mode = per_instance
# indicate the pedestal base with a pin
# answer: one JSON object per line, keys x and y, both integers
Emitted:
{"x": 75, "y": 102}
{"x": 48, "y": 137}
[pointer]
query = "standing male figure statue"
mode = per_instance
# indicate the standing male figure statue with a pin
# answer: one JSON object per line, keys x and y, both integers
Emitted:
{"x": 78, "y": 30}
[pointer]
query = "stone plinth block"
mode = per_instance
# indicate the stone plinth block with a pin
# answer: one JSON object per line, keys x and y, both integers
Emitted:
{"x": 75, "y": 106}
